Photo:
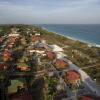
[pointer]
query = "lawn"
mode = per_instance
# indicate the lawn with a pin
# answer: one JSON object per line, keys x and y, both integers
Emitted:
{"x": 22, "y": 64}
{"x": 14, "y": 84}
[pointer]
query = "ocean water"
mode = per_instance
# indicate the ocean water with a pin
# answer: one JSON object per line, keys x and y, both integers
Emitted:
{"x": 86, "y": 33}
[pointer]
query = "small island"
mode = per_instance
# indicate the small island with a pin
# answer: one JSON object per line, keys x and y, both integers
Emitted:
{"x": 36, "y": 64}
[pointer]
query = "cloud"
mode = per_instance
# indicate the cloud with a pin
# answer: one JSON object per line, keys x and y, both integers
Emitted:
{"x": 49, "y": 11}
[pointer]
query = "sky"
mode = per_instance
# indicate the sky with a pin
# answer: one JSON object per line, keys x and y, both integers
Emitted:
{"x": 49, "y": 11}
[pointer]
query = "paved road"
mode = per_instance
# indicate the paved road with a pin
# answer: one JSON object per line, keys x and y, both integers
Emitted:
{"x": 90, "y": 66}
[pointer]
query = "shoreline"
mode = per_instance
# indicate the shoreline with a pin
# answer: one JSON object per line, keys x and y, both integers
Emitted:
{"x": 72, "y": 38}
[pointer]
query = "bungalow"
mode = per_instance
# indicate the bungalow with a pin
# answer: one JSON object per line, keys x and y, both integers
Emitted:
{"x": 72, "y": 77}
{"x": 37, "y": 51}
{"x": 40, "y": 46}
{"x": 6, "y": 55}
{"x": 36, "y": 37}
{"x": 31, "y": 51}
{"x": 60, "y": 64}
{"x": 14, "y": 35}
{"x": 10, "y": 46}
{"x": 37, "y": 34}
{"x": 23, "y": 68}
{"x": 50, "y": 55}
{"x": 12, "y": 39}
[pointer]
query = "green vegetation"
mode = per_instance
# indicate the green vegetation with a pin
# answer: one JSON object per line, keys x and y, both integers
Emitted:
{"x": 38, "y": 89}
{"x": 94, "y": 73}
{"x": 43, "y": 87}
{"x": 78, "y": 52}
{"x": 51, "y": 87}
{"x": 14, "y": 85}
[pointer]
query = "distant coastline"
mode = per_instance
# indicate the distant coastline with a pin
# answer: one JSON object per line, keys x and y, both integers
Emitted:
{"x": 75, "y": 39}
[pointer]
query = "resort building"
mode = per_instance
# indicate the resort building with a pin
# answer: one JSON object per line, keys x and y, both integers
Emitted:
{"x": 6, "y": 55}
{"x": 22, "y": 68}
{"x": 37, "y": 51}
{"x": 60, "y": 55}
{"x": 37, "y": 34}
{"x": 72, "y": 78}
{"x": 60, "y": 64}
{"x": 50, "y": 55}
{"x": 39, "y": 46}
{"x": 9, "y": 46}
{"x": 12, "y": 41}
{"x": 14, "y": 35}
{"x": 36, "y": 37}
{"x": 56, "y": 48}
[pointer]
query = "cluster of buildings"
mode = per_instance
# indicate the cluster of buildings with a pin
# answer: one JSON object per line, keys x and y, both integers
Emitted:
{"x": 14, "y": 82}
{"x": 59, "y": 65}
{"x": 11, "y": 41}
{"x": 6, "y": 55}
{"x": 70, "y": 85}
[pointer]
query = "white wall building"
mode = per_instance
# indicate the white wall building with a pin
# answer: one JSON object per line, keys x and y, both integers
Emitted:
{"x": 56, "y": 48}
{"x": 13, "y": 35}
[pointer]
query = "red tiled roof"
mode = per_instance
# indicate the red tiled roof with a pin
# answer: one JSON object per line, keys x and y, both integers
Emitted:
{"x": 61, "y": 64}
{"x": 6, "y": 53}
{"x": 86, "y": 98}
{"x": 23, "y": 68}
{"x": 51, "y": 55}
{"x": 12, "y": 40}
{"x": 72, "y": 75}
{"x": 90, "y": 97}
{"x": 10, "y": 46}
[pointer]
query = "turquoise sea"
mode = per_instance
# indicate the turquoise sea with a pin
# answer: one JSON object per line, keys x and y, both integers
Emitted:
{"x": 89, "y": 33}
